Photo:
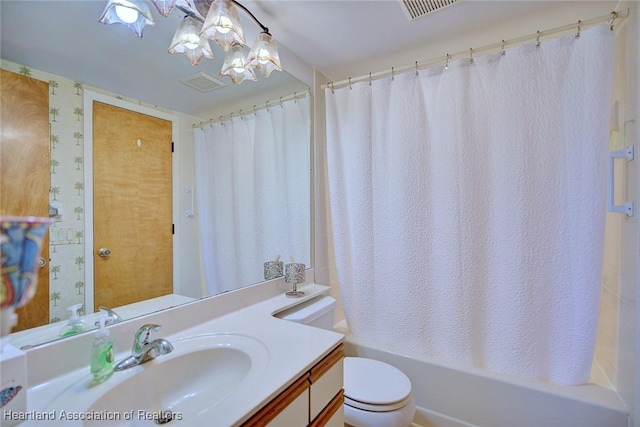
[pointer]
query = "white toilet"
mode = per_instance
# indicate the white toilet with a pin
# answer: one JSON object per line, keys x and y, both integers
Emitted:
{"x": 376, "y": 394}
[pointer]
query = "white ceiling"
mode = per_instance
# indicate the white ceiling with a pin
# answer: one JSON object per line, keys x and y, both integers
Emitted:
{"x": 340, "y": 38}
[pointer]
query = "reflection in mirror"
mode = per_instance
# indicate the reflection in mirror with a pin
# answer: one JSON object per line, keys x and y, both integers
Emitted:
{"x": 70, "y": 271}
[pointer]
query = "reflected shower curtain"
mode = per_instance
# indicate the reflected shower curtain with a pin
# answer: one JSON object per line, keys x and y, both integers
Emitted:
{"x": 252, "y": 190}
{"x": 468, "y": 207}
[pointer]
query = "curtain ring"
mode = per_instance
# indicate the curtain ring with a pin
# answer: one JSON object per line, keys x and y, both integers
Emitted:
{"x": 295, "y": 98}
{"x": 241, "y": 116}
{"x": 369, "y": 78}
{"x": 538, "y": 39}
{"x": 446, "y": 64}
{"x": 221, "y": 121}
{"x": 417, "y": 68}
{"x": 470, "y": 55}
{"x": 330, "y": 84}
{"x": 350, "y": 88}
{"x": 267, "y": 105}
{"x": 255, "y": 113}
{"x": 502, "y": 51}
{"x": 393, "y": 73}
{"x": 280, "y": 102}
{"x": 578, "y": 33}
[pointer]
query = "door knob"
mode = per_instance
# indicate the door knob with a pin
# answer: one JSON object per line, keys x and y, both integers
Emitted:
{"x": 104, "y": 252}
{"x": 42, "y": 262}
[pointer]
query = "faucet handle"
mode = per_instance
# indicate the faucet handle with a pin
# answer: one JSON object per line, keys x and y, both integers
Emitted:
{"x": 143, "y": 336}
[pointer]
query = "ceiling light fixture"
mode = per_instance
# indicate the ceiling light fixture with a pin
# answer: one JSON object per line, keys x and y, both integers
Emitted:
{"x": 205, "y": 20}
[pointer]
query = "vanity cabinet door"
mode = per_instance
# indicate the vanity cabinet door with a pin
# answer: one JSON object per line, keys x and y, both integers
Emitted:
{"x": 289, "y": 409}
{"x": 315, "y": 399}
{"x": 295, "y": 414}
{"x": 326, "y": 381}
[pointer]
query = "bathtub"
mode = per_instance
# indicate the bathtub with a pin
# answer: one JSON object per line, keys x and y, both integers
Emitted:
{"x": 449, "y": 396}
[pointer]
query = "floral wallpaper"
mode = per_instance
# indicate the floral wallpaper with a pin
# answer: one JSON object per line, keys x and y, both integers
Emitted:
{"x": 67, "y": 190}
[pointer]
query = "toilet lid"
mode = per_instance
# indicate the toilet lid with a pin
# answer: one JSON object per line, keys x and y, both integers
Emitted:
{"x": 374, "y": 382}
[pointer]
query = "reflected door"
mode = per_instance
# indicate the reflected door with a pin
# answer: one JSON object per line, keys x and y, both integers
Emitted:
{"x": 133, "y": 220}
{"x": 25, "y": 179}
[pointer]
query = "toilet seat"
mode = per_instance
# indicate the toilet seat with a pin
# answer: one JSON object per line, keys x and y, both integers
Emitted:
{"x": 375, "y": 386}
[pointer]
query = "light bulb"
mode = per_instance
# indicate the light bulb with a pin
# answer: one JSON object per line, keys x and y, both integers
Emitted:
{"x": 223, "y": 24}
{"x": 126, "y": 14}
{"x": 238, "y": 67}
{"x": 263, "y": 56}
{"x": 190, "y": 40}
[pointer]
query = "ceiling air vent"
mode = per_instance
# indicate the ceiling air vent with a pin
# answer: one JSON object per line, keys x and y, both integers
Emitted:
{"x": 202, "y": 82}
{"x": 417, "y": 8}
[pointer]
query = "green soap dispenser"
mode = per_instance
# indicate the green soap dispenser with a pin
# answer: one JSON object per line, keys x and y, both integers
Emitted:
{"x": 75, "y": 324}
{"x": 102, "y": 353}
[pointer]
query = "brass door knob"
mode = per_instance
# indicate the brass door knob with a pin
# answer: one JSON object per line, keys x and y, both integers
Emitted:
{"x": 104, "y": 252}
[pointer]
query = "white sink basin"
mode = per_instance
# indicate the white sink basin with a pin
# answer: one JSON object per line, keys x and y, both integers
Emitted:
{"x": 193, "y": 381}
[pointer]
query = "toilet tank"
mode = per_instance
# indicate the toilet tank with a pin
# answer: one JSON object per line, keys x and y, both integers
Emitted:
{"x": 316, "y": 312}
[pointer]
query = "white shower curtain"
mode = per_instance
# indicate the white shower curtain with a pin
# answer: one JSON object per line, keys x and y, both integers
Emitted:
{"x": 468, "y": 207}
{"x": 252, "y": 189}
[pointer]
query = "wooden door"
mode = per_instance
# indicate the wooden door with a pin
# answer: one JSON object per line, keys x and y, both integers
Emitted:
{"x": 132, "y": 206}
{"x": 25, "y": 178}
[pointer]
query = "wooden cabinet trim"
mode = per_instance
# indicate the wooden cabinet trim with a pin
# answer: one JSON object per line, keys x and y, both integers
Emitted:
{"x": 279, "y": 403}
{"x": 271, "y": 410}
{"x": 334, "y": 405}
{"x": 327, "y": 363}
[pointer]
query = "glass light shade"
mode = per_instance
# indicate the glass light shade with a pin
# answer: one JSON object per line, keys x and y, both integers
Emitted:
{"x": 264, "y": 55}
{"x": 235, "y": 67}
{"x": 133, "y": 14}
{"x": 187, "y": 40}
{"x": 164, "y": 6}
{"x": 222, "y": 25}
{"x": 191, "y": 6}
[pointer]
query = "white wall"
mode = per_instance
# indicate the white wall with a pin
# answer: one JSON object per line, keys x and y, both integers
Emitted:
{"x": 616, "y": 344}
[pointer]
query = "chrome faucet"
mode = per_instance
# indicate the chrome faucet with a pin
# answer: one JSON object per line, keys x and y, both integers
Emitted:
{"x": 113, "y": 317}
{"x": 144, "y": 349}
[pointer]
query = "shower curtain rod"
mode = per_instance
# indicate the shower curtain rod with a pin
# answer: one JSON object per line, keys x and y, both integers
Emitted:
{"x": 579, "y": 25}
{"x": 256, "y": 107}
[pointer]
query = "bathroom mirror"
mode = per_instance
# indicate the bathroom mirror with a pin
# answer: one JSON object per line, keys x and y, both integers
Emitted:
{"x": 62, "y": 42}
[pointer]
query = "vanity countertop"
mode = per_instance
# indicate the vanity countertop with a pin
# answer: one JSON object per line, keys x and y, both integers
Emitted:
{"x": 290, "y": 348}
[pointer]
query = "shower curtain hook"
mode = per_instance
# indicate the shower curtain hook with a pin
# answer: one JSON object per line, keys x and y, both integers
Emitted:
{"x": 241, "y": 116}
{"x": 295, "y": 97}
{"x": 470, "y": 55}
{"x": 502, "y": 51}
{"x": 369, "y": 78}
{"x": 578, "y": 34}
{"x": 614, "y": 16}
{"x": 221, "y": 121}
{"x": 350, "y": 88}
{"x": 393, "y": 73}
{"x": 267, "y": 105}
{"x": 281, "y": 103}
{"x": 417, "y": 69}
{"x": 330, "y": 84}
{"x": 255, "y": 113}
{"x": 538, "y": 39}
{"x": 446, "y": 64}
